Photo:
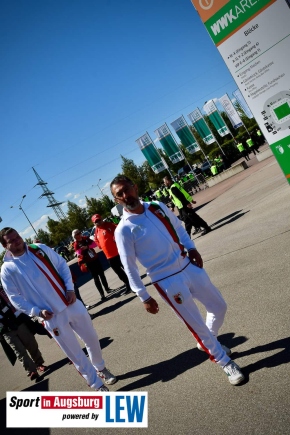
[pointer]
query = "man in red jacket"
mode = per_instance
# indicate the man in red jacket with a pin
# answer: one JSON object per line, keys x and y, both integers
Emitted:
{"x": 105, "y": 240}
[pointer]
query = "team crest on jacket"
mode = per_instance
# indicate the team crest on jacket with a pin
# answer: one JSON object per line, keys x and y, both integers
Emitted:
{"x": 160, "y": 213}
{"x": 40, "y": 253}
{"x": 178, "y": 298}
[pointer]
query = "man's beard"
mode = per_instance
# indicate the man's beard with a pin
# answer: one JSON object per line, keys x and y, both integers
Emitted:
{"x": 133, "y": 204}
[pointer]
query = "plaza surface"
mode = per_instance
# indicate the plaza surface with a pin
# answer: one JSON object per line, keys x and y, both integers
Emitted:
{"x": 247, "y": 257}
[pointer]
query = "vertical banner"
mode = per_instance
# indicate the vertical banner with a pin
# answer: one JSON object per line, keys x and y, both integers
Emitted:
{"x": 230, "y": 111}
{"x": 215, "y": 117}
{"x": 168, "y": 143}
{"x": 150, "y": 153}
{"x": 201, "y": 127}
{"x": 186, "y": 136}
{"x": 254, "y": 40}
{"x": 240, "y": 99}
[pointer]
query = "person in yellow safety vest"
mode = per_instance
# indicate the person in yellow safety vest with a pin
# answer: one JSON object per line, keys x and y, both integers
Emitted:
{"x": 218, "y": 161}
{"x": 243, "y": 150}
{"x": 214, "y": 170}
{"x": 184, "y": 202}
{"x": 260, "y": 137}
{"x": 158, "y": 195}
{"x": 252, "y": 146}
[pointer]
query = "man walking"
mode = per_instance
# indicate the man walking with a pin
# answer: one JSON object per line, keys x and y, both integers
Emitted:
{"x": 184, "y": 202}
{"x": 154, "y": 236}
{"x": 105, "y": 239}
{"x": 38, "y": 282}
{"x": 84, "y": 248}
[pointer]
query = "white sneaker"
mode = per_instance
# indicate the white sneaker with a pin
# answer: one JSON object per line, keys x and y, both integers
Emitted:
{"x": 234, "y": 373}
{"x": 107, "y": 376}
{"x": 225, "y": 348}
{"x": 103, "y": 388}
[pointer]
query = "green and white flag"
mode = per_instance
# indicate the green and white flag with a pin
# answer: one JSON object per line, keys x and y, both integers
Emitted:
{"x": 201, "y": 126}
{"x": 185, "y": 135}
{"x": 151, "y": 154}
{"x": 168, "y": 143}
{"x": 231, "y": 111}
{"x": 215, "y": 117}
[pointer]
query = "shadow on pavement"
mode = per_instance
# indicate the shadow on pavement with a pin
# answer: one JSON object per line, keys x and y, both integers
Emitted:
{"x": 282, "y": 356}
{"x": 233, "y": 219}
{"x": 227, "y": 217}
{"x": 167, "y": 370}
{"x": 111, "y": 308}
{"x": 40, "y": 386}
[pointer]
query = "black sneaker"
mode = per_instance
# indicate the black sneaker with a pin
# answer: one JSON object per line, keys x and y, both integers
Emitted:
{"x": 109, "y": 290}
{"x": 207, "y": 230}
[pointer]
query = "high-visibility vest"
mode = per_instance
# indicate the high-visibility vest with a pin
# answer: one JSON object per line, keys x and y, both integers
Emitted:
{"x": 175, "y": 200}
{"x": 259, "y": 133}
{"x": 191, "y": 176}
{"x": 250, "y": 142}
{"x": 240, "y": 147}
{"x": 164, "y": 191}
{"x": 158, "y": 194}
{"x": 214, "y": 170}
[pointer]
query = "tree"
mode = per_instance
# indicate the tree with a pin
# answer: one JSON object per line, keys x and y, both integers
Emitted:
{"x": 29, "y": 240}
{"x": 77, "y": 216}
{"x": 44, "y": 237}
{"x": 59, "y": 230}
{"x": 136, "y": 174}
{"x": 2, "y": 257}
{"x": 100, "y": 206}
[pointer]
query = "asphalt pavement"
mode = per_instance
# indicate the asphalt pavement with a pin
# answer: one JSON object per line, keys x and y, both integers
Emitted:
{"x": 247, "y": 257}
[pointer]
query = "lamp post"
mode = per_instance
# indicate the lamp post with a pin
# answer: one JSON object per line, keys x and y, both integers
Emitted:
{"x": 20, "y": 208}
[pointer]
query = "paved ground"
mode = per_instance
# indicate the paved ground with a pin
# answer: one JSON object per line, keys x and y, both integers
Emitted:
{"x": 247, "y": 256}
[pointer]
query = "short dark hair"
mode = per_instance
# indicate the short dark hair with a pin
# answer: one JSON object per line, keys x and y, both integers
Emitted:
{"x": 121, "y": 179}
{"x": 167, "y": 178}
{"x": 4, "y": 232}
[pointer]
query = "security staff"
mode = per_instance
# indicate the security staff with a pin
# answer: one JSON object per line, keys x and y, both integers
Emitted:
{"x": 183, "y": 201}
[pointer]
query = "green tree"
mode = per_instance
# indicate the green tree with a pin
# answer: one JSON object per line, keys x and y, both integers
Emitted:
{"x": 136, "y": 174}
{"x": 77, "y": 216}
{"x": 59, "y": 230}
{"x": 29, "y": 240}
{"x": 44, "y": 237}
{"x": 2, "y": 257}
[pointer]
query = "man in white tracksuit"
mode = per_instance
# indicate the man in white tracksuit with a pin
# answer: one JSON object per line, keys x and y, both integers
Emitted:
{"x": 38, "y": 282}
{"x": 154, "y": 236}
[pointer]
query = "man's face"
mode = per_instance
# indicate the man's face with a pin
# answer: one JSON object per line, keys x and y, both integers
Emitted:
{"x": 126, "y": 194}
{"x": 14, "y": 243}
{"x": 78, "y": 236}
{"x": 167, "y": 182}
{"x": 98, "y": 222}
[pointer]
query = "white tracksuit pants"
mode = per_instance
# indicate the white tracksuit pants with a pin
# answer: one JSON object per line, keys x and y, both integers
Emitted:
{"x": 76, "y": 318}
{"x": 179, "y": 290}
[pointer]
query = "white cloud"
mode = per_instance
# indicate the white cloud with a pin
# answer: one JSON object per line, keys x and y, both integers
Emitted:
{"x": 82, "y": 203}
{"x": 77, "y": 195}
{"x": 68, "y": 195}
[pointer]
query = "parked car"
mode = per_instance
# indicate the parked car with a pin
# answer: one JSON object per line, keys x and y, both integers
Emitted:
{"x": 205, "y": 168}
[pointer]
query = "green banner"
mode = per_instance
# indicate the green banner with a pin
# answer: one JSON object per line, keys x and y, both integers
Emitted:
{"x": 188, "y": 140}
{"x": 219, "y": 123}
{"x": 171, "y": 149}
{"x": 151, "y": 154}
{"x": 281, "y": 151}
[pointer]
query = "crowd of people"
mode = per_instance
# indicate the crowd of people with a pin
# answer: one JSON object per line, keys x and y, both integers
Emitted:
{"x": 38, "y": 283}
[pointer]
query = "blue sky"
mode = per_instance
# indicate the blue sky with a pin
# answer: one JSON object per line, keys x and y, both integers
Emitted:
{"x": 81, "y": 80}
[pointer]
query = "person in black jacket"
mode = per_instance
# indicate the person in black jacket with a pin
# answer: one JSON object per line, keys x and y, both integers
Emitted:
{"x": 17, "y": 335}
{"x": 187, "y": 214}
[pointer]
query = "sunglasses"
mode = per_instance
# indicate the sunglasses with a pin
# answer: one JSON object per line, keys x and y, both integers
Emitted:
{"x": 99, "y": 220}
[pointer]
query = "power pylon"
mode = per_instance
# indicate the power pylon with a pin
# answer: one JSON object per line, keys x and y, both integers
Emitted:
{"x": 52, "y": 201}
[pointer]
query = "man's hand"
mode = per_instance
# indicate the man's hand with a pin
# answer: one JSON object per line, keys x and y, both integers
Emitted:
{"x": 151, "y": 306}
{"x": 45, "y": 314}
{"x": 70, "y": 297}
{"x": 84, "y": 248}
{"x": 195, "y": 258}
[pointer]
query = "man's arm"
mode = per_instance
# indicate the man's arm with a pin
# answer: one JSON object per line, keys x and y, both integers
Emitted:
{"x": 125, "y": 245}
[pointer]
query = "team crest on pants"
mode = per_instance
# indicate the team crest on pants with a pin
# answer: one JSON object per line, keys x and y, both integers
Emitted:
{"x": 178, "y": 298}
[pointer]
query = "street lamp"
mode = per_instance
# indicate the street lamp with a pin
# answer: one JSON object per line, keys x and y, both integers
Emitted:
{"x": 101, "y": 190}
{"x": 20, "y": 208}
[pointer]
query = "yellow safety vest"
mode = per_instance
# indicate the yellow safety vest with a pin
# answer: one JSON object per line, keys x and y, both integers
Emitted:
{"x": 175, "y": 200}
{"x": 240, "y": 147}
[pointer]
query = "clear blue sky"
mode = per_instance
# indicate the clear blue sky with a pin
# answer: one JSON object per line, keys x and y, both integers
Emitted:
{"x": 81, "y": 80}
